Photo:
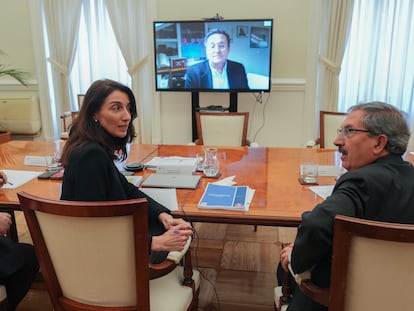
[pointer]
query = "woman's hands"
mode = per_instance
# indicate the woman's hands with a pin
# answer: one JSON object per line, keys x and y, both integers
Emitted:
{"x": 172, "y": 240}
{"x": 168, "y": 221}
{"x": 177, "y": 234}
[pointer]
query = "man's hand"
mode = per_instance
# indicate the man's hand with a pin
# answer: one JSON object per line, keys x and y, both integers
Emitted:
{"x": 3, "y": 179}
{"x": 5, "y": 222}
{"x": 285, "y": 256}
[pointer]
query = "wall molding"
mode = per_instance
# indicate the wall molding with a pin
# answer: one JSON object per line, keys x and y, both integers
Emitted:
{"x": 11, "y": 85}
{"x": 288, "y": 85}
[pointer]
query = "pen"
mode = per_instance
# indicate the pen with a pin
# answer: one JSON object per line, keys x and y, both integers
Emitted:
{"x": 8, "y": 182}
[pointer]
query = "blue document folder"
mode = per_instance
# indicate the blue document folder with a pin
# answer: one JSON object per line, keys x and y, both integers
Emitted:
{"x": 225, "y": 197}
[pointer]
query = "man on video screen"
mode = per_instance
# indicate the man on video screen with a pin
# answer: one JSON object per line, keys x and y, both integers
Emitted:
{"x": 217, "y": 72}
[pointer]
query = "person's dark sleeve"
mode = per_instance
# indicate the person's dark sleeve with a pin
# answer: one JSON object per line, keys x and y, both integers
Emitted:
{"x": 154, "y": 210}
{"x": 189, "y": 77}
{"x": 244, "y": 78}
{"x": 154, "y": 207}
{"x": 315, "y": 234}
{"x": 89, "y": 176}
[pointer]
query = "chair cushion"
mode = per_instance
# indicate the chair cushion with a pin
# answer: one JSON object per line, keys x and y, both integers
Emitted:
{"x": 166, "y": 295}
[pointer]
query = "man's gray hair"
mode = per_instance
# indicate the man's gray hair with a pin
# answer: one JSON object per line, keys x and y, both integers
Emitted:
{"x": 382, "y": 118}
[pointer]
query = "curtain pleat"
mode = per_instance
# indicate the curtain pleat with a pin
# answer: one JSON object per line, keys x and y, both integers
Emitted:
{"x": 339, "y": 12}
{"x": 130, "y": 22}
{"x": 62, "y": 22}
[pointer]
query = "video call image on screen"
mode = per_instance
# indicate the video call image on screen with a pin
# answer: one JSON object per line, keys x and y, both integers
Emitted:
{"x": 196, "y": 55}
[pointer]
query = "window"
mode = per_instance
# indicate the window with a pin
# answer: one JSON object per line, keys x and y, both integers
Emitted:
{"x": 377, "y": 64}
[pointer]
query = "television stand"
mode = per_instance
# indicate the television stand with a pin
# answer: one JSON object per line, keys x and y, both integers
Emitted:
{"x": 195, "y": 106}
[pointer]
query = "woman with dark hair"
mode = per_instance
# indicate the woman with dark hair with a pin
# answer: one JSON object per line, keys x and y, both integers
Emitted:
{"x": 98, "y": 137}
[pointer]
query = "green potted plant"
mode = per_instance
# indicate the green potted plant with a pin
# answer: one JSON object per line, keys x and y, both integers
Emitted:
{"x": 14, "y": 73}
{"x": 17, "y": 75}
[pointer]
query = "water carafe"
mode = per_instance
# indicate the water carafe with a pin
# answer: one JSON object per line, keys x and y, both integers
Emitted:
{"x": 212, "y": 165}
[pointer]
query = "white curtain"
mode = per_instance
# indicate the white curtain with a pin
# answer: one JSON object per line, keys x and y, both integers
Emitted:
{"x": 339, "y": 12}
{"x": 97, "y": 55}
{"x": 130, "y": 22}
{"x": 378, "y": 64}
{"x": 62, "y": 22}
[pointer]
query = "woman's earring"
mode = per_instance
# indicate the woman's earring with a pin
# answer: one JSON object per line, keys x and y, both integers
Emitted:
{"x": 96, "y": 120}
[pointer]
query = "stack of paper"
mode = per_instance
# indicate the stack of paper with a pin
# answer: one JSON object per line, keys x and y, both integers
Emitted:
{"x": 226, "y": 197}
{"x": 173, "y": 165}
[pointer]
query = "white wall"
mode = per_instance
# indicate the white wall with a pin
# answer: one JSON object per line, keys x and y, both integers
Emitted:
{"x": 277, "y": 121}
{"x": 288, "y": 117}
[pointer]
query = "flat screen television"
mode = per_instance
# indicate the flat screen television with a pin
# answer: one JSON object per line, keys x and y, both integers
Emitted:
{"x": 187, "y": 53}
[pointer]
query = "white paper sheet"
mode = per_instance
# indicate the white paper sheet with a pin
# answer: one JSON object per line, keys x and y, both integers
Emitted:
{"x": 322, "y": 191}
{"x": 37, "y": 160}
{"x": 164, "y": 196}
{"x": 135, "y": 180}
{"x": 228, "y": 181}
{"x": 17, "y": 178}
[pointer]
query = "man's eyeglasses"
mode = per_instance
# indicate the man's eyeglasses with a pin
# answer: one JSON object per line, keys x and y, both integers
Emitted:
{"x": 347, "y": 131}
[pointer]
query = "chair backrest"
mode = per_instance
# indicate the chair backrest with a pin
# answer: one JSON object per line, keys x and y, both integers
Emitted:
{"x": 222, "y": 128}
{"x": 329, "y": 122}
{"x": 371, "y": 265}
{"x": 5, "y": 136}
{"x": 92, "y": 254}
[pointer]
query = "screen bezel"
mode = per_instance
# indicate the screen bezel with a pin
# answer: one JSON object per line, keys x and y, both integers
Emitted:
{"x": 238, "y": 22}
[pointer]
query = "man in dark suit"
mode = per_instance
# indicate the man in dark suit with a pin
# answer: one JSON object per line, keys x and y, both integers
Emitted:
{"x": 18, "y": 262}
{"x": 378, "y": 185}
{"x": 216, "y": 72}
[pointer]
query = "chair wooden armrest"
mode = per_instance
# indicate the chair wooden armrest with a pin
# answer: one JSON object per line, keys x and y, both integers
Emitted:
{"x": 305, "y": 284}
{"x": 173, "y": 259}
{"x": 318, "y": 294}
{"x": 160, "y": 269}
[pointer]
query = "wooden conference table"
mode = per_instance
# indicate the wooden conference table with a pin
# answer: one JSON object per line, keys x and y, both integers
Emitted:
{"x": 279, "y": 199}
